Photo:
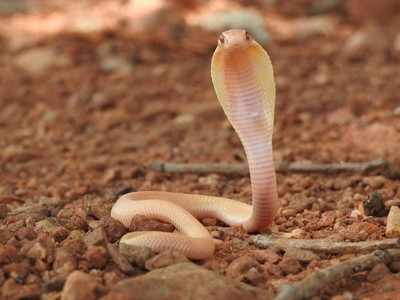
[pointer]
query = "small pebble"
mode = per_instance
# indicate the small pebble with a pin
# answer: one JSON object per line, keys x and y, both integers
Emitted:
{"x": 96, "y": 256}
{"x": 361, "y": 231}
{"x": 290, "y": 266}
{"x": 356, "y": 45}
{"x": 164, "y": 259}
{"x": 184, "y": 119}
{"x": 374, "y": 205}
{"x": 73, "y": 218}
{"x": 99, "y": 210}
{"x": 64, "y": 262}
{"x": 239, "y": 243}
{"x": 74, "y": 243}
{"x": 266, "y": 255}
{"x": 210, "y": 180}
{"x": 120, "y": 260}
{"x": 254, "y": 277}
{"x": 114, "y": 229}
{"x": 273, "y": 270}
{"x": 18, "y": 271}
{"x": 295, "y": 233}
{"x": 375, "y": 182}
{"x": 327, "y": 219}
{"x": 136, "y": 255}
{"x": 38, "y": 251}
{"x": 12, "y": 290}
{"x": 356, "y": 214}
{"x": 344, "y": 296}
{"x": 95, "y": 237}
{"x": 49, "y": 225}
{"x": 238, "y": 267}
{"x": 80, "y": 286}
{"x": 111, "y": 278}
{"x": 378, "y": 272}
{"x": 26, "y": 233}
{"x": 393, "y": 222}
{"x": 55, "y": 283}
{"x": 288, "y": 212}
{"x": 111, "y": 175}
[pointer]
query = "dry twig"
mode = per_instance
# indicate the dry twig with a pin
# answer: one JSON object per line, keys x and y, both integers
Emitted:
{"x": 206, "y": 168}
{"x": 283, "y": 166}
{"x": 316, "y": 283}
{"x": 39, "y": 205}
{"x": 324, "y": 245}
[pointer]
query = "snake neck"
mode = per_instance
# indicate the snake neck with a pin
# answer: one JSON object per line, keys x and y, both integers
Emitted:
{"x": 250, "y": 120}
{"x": 263, "y": 182}
{"x": 248, "y": 104}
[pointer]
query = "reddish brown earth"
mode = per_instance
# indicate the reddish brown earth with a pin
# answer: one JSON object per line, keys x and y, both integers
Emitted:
{"x": 78, "y": 132}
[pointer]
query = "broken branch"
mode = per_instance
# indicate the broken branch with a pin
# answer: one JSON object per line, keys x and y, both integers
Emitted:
{"x": 316, "y": 283}
{"x": 206, "y": 168}
{"x": 324, "y": 245}
{"x": 283, "y": 166}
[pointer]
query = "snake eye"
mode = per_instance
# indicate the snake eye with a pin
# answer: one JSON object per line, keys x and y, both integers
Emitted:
{"x": 247, "y": 36}
{"x": 221, "y": 39}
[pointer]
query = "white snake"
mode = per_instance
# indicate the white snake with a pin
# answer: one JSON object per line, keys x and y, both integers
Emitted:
{"x": 243, "y": 80}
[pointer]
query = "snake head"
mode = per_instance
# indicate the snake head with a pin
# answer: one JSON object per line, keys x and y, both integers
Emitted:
{"x": 234, "y": 38}
{"x": 243, "y": 79}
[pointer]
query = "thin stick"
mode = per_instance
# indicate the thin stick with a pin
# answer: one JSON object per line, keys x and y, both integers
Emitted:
{"x": 43, "y": 204}
{"x": 206, "y": 168}
{"x": 324, "y": 245}
{"x": 283, "y": 166}
{"x": 318, "y": 282}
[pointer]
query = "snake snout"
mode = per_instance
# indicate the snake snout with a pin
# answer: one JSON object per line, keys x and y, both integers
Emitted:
{"x": 234, "y": 38}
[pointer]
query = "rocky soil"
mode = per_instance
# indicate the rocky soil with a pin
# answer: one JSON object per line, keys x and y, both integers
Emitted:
{"x": 87, "y": 101}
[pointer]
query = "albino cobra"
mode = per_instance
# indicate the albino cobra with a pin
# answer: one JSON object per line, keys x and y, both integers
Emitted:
{"x": 243, "y": 80}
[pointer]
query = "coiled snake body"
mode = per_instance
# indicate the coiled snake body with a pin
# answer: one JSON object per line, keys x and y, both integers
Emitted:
{"x": 243, "y": 80}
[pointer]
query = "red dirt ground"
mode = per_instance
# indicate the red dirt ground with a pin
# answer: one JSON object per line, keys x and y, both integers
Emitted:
{"x": 78, "y": 134}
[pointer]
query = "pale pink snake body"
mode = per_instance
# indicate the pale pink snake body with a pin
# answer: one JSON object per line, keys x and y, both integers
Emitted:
{"x": 242, "y": 75}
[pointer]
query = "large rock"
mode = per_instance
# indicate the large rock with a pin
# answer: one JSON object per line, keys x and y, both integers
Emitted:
{"x": 184, "y": 281}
